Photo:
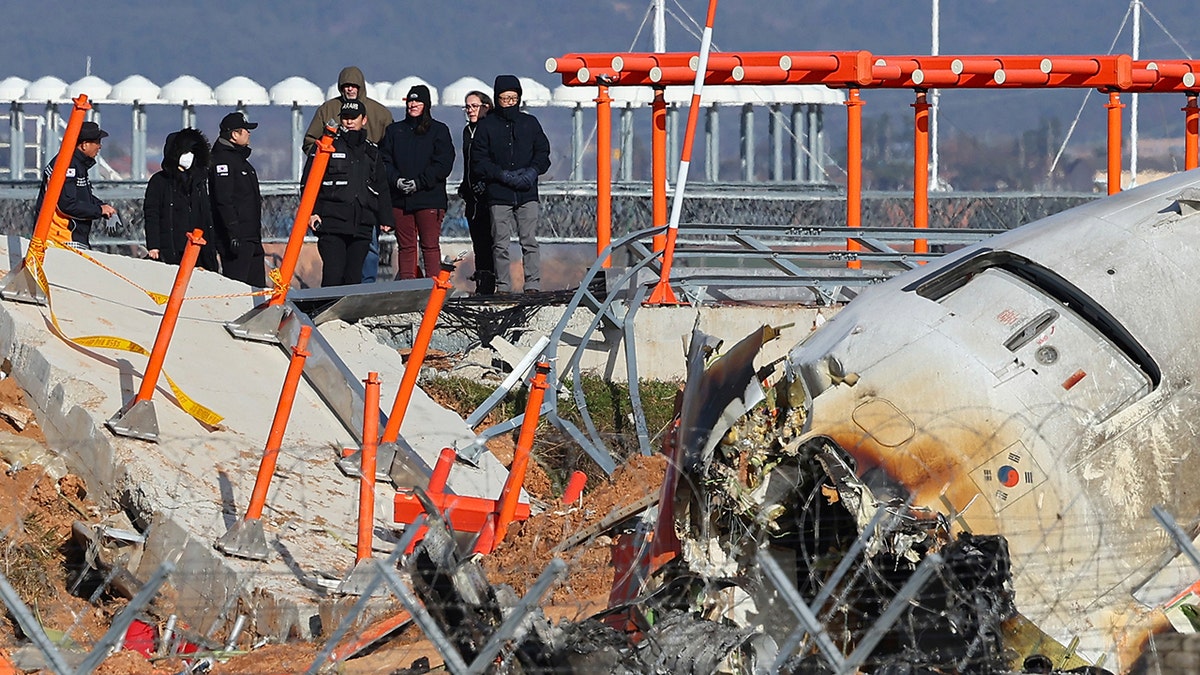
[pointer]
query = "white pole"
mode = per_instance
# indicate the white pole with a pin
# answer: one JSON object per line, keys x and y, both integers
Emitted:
{"x": 660, "y": 26}
{"x": 1133, "y": 108}
{"x": 935, "y": 25}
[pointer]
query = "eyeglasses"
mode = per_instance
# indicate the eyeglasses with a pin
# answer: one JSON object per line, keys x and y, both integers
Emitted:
{"x": 472, "y": 106}
{"x": 508, "y": 98}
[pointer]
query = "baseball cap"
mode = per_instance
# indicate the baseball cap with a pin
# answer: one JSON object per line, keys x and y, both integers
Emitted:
{"x": 90, "y": 131}
{"x": 353, "y": 108}
{"x": 237, "y": 120}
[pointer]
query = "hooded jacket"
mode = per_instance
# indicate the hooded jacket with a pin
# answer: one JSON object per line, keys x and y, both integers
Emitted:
{"x": 424, "y": 157}
{"x": 506, "y": 142}
{"x": 177, "y": 201}
{"x": 236, "y": 198}
{"x": 378, "y": 116}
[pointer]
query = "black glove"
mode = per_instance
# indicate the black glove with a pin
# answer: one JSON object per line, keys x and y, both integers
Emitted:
{"x": 235, "y": 247}
{"x": 509, "y": 179}
{"x": 522, "y": 179}
{"x": 478, "y": 188}
{"x": 406, "y": 185}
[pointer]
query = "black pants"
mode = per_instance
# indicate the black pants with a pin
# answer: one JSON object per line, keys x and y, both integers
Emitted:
{"x": 479, "y": 224}
{"x": 342, "y": 257}
{"x": 247, "y": 266}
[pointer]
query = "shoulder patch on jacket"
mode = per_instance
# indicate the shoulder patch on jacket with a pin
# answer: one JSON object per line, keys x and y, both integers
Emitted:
{"x": 71, "y": 172}
{"x": 222, "y": 169}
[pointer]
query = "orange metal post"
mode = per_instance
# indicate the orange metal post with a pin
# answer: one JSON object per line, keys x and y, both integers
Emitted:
{"x": 283, "y": 409}
{"x": 603, "y": 171}
{"x": 511, "y": 493}
{"x": 1114, "y": 142}
{"x": 170, "y": 316}
{"x": 658, "y": 166}
{"x": 486, "y": 541}
{"x": 574, "y": 487}
{"x": 1191, "y": 130}
{"x": 37, "y": 246}
{"x": 921, "y": 169}
{"x": 441, "y": 470}
{"x": 853, "y": 170}
{"x": 308, "y": 199}
{"x": 420, "y": 345}
{"x": 366, "y": 484}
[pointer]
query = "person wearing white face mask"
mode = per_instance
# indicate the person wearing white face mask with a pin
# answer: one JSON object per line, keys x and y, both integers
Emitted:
{"x": 177, "y": 200}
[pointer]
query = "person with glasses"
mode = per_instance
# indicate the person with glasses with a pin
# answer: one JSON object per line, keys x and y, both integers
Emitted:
{"x": 78, "y": 206}
{"x": 508, "y": 153}
{"x": 419, "y": 155}
{"x": 479, "y": 219}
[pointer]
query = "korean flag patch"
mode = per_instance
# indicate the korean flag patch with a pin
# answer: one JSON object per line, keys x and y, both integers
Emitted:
{"x": 222, "y": 169}
{"x": 71, "y": 172}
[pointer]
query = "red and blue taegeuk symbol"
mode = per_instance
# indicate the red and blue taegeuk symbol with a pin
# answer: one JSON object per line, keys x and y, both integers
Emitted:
{"x": 1008, "y": 476}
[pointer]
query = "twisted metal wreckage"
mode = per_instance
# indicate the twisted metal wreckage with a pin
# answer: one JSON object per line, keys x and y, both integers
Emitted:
{"x": 967, "y": 466}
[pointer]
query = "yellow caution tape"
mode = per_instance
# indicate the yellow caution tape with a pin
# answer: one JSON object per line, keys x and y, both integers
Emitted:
{"x": 190, "y": 406}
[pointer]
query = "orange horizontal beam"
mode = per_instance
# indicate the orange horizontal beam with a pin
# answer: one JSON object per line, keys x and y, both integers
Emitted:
{"x": 863, "y": 69}
{"x": 465, "y": 514}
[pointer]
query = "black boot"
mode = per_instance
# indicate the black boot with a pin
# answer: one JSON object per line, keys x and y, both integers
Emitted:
{"x": 485, "y": 282}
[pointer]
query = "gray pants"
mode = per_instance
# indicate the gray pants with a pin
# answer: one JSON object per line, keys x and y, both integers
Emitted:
{"x": 523, "y": 220}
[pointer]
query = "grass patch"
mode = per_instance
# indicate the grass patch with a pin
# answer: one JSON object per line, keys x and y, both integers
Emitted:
{"x": 608, "y": 404}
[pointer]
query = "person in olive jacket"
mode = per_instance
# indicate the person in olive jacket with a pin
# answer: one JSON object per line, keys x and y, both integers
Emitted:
{"x": 419, "y": 155}
{"x": 509, "y": 152}
{"x": 352, "y": 202}
{"x": 177, "y": 200}
{"x": 237, "y": 203}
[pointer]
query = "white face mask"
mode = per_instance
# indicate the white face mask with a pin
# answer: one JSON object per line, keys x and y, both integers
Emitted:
{"x": 185, "y": 160}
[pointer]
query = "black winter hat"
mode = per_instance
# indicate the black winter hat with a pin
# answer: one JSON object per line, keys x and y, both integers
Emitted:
{"x": 506, "y": 83}
{"x": 419, "y": 92}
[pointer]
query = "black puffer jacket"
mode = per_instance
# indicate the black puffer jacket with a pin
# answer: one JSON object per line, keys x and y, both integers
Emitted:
{"x": 236, "y": 199}
{"x": 508, "y": 140}
{"x": 177, "y": 201}
{"x": 424, "y": 157}
{"x": 353, "y": 197}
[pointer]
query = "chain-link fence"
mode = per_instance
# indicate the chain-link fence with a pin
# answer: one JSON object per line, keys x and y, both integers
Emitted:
{"x": 569, "y": 209}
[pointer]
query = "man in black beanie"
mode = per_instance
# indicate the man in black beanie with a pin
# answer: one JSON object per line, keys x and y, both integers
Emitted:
{"x": 509, "y": 152}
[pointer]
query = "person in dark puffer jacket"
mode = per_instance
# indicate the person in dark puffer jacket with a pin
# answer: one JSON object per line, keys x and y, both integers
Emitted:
{"x": 352, "y": 202}
{"x": 509, "y": 152}
{"x": 419, "y": 155}
{"x": 177, "y": 201}
{"x": 237, "y": 202}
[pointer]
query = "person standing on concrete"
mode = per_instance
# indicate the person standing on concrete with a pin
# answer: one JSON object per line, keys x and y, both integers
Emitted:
{"x": 352, "y": 86}
{"x": 509, "y": 152}
{"x": 352, "y": 203}
{"x": 237, "y": 203}
{"x": 177, "y": 201}
{"x": 419, "y": 155}
{"x": 71, "y": 224}
{"x": 476, "y": 105}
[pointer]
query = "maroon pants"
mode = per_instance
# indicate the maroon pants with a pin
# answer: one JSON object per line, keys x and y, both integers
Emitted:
{"x": 424, "y": 225}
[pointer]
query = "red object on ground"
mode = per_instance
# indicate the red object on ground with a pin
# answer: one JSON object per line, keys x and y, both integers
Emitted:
{"x": 141, "y": 638}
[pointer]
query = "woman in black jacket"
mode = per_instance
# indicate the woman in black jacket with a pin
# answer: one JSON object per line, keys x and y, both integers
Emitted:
{"x": 475, "y": 206}
{"x": 177, "y": 200}
{"x": 352, "y": 201}
{"x": 419, "y": 154}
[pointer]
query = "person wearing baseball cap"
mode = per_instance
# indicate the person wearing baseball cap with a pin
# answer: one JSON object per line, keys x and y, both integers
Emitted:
{"x": 352, "y": 201}
{"x": 237, "y": 202}
{"x": 236, "y": 120}
{"x": 78, "y": 206}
